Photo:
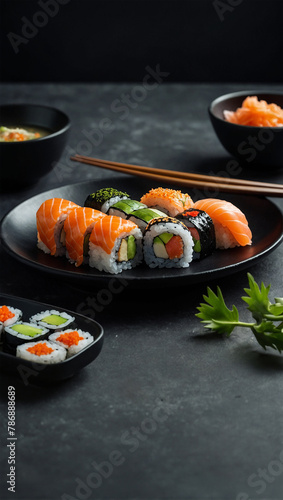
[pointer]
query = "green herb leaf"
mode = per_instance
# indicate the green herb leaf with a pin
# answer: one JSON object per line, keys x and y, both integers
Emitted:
{"x": 268, "y": 335}
{"x": 268, "y": 328}
{"x": 216, "y": 315}
{"x": 257, "y": 299}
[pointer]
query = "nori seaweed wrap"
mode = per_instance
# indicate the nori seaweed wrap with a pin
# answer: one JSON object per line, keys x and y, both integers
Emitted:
{"x": 202, "y": 230}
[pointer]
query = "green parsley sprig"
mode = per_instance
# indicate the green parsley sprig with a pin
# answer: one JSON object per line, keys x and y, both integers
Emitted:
{"x": 217, "y": 317}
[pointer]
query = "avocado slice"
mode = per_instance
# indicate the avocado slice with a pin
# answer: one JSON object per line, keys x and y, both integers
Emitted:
{"x": 159, "y": 248}
{"x": 132, "y": 247}
{"x": 146, "y": 214}
{"x": 128, "y": 206}
{"x": 165, "y": 237}
{"x": 197, "y": 246}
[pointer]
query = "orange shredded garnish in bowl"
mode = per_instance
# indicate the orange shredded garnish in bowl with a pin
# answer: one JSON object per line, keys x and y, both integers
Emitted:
{"x": 40, "y": 349}
{"x": 255, "y": 113}
{"x": 70, "y": 338}
{"x": 5, "y": 314}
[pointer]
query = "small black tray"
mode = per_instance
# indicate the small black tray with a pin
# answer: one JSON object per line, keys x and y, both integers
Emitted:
{"x": 36, "y": 372}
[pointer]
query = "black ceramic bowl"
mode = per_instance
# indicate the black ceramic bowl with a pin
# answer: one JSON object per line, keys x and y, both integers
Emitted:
{"x": 23, "y": 163}
{"x": 253, "y": 147}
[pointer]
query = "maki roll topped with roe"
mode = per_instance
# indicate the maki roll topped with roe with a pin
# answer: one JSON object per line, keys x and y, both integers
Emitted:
{"x": 170, "y": 201}
{"x": 202, "y": 230}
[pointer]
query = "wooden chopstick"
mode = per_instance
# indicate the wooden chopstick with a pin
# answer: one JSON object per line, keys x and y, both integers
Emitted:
{"x": 189, "y": 180}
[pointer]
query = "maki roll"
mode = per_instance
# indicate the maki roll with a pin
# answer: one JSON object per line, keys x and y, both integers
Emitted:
{"x": 230, "y": 224}
{"x": 104, "y": 198}
{"x": 72, "y": 340}
{"x": 143, "y": 216}
{"x": 50, "y": 218}
{"x": 170, "y": 201}
{"x": 53, "y": 320}
{"x": 41, "y": 352}
{"x": 8, "y": 316}
{"x": 124, "y": 208}
{"x": 20, "y": 333}
{"x": 167, "y": 243}
{"x": 202, "y": 230}
{"x": 115, "y": 244}
{"x": 78, "y": 226}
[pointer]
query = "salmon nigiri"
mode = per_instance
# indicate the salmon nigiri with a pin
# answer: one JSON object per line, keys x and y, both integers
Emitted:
{"x": 77, "y": 226}
{"x": 49, "y": 220}
{"x": 231, "y": 225}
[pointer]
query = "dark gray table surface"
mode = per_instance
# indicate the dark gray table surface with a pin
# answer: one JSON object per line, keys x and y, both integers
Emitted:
{"x": 181, "y": 413}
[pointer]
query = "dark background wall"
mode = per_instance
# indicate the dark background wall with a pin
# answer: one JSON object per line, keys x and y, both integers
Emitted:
{"x": 108, "y": 40}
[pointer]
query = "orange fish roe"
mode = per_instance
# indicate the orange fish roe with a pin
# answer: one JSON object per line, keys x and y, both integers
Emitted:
{"x": 70, "y": 338}
{"x": 182, "y": 201}
{"x": 5, "y": 314}
{"x": 255, "y": 113}
{"x": 40, "y": 349}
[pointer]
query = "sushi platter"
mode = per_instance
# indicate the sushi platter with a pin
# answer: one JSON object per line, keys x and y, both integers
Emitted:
{"x": 19, "y": 236}
{"x": 31, "y": 351}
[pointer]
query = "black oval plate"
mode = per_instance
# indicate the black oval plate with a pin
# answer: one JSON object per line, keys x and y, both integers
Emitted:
{"x": 18, "y": 231}
{"x": 36, "y": 372}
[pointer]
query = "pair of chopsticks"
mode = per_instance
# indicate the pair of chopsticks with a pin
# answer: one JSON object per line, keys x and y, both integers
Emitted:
{"x": 188, "y": 180}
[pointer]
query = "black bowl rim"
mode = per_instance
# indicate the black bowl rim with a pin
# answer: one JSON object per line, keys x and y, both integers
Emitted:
{"x": 34, "y": 105}
{"x": 240, "y": 93}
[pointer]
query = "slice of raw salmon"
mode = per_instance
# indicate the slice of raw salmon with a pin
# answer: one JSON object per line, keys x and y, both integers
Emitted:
{"x": 78, "y": 222}
{"x": 108, "y": 229}
{"x": 48, "y": 216}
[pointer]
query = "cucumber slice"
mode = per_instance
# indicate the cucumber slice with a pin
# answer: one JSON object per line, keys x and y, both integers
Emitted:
{"x": 197, "y": 247}
{"x": 132, "y": 247}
